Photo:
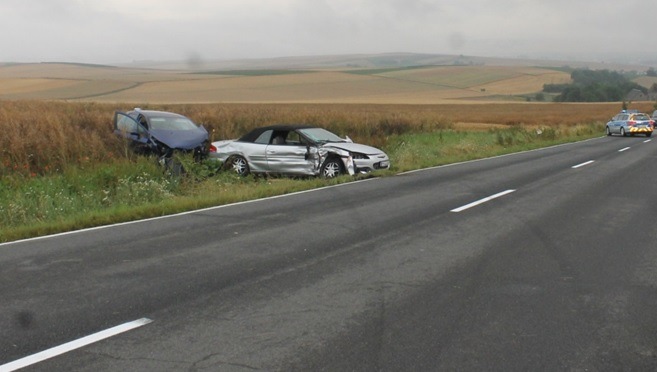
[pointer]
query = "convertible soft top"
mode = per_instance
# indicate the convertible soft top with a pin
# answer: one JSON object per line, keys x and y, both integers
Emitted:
{"x": 254, "y": 134}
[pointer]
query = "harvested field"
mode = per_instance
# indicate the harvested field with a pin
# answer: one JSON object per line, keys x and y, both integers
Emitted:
{"x": 422, "y": 85}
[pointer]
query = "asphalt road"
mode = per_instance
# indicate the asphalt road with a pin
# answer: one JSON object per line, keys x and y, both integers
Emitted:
{"x": 545, "y": 260}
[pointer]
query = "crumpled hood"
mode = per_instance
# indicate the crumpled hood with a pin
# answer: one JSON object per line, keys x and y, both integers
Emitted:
{"x": 181, "y": 139}
{"x": 355, "y": 147}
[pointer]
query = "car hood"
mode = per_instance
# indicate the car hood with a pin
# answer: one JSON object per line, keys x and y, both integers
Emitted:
{"x": 354, "y": 147}
{"x": 181, "y": 139}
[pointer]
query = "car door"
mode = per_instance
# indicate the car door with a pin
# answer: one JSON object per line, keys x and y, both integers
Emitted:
{"x": 127, "y": 127}
{"x": 288, "y": 154}
{"x": 615, "y": 124}
{"x": 255, "y": 152}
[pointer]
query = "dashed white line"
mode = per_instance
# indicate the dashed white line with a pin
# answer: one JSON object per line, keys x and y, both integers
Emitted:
{"x": 481, "y": 201}
{"x": 583, "y": 164}
{"x": 70, "y": 346}
{"x": 646, "y": 141}
{"x": 624, "y": 149}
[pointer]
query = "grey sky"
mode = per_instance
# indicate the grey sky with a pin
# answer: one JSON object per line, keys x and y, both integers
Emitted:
{"x": 119, "y": 31}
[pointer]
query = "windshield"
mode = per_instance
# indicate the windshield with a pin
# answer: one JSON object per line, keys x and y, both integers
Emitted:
{"x": 320, "y": 135}
{"x": 172, "y": 123}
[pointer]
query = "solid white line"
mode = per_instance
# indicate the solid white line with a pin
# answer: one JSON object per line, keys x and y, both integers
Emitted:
{"x": 497, "y": 156}
{"x": 646, "y": 141}
{"x": 277, "y": 196}
{"x": 102, "y": 227}
{"x": 583, "y": 164}
{"x": 484, "y": 200}
{"x": 70, "y": 346}
{"x": 625, "y": 149}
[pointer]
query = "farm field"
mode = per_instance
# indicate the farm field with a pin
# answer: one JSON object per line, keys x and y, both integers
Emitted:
{"x": 62, "y": 168}
{"x": 424, "y": 85}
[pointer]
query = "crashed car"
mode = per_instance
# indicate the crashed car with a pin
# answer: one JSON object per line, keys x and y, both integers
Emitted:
{"x": 298, "y": 150}
{"x": 161, "y": 133}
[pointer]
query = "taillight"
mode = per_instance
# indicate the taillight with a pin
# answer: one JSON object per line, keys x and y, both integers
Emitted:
{"x": 631, "y": 123}
{"x": 213, "y": 148}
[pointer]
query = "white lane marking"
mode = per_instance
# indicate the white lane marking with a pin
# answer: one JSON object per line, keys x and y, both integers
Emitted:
{"x": 646, "y": 141}
{"x": 625, "y": 149}
{"x": 583, "y": 164}
{"x": 481, "y": 201}
{"x": 498, "y": 156}
{"x": 70, "y": 346}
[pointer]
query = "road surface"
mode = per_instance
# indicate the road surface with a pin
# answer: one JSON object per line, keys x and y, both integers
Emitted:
{"x": 544, "y": 260}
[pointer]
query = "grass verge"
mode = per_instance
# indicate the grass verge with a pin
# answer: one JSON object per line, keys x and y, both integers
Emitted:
{"x": 122, "y": 190}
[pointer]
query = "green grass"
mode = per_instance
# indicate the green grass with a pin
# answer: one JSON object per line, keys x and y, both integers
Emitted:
{"x": 123, "y": 190}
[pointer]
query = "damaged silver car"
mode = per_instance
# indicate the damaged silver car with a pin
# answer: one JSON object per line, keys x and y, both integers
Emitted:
{"x": 298, "y": 150}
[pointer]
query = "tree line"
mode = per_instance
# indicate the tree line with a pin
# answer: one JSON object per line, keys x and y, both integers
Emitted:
{"x": 594, "y": 86}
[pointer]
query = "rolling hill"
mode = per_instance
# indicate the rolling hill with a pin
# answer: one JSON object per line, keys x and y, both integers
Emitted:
{"x": 380, "y": 79}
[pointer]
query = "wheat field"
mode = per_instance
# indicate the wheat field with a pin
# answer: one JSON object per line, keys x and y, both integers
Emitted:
{"x": 54, "y": 115}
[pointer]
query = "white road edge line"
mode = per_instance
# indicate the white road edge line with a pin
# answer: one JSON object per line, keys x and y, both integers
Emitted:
{"x": 583, "y": 164}
{"x": 102, "y": 227}
{"x": 481, "y": 201}
{"x": 44, "y": 237}
{"x": 624, "y": 149}
{"x": 70, "y": 346}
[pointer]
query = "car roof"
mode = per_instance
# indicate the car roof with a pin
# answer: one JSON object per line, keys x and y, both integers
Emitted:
{"x": 255, "y": 133}
{"x": 154, "y": 113}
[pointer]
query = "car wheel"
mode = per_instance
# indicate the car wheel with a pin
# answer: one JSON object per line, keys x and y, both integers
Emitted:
{"x": 648, "y": 134}
{"x": 172, "y": 165}
{"x": 240, "y": 165}
{"x": 608, "y": 131}
{"x": 332, "y": 167}
{"x": 622, "y": 132}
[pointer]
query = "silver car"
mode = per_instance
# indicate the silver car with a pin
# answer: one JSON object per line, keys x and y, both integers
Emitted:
{"x": 298, "y": 150}
{"x": 630, "y": 123}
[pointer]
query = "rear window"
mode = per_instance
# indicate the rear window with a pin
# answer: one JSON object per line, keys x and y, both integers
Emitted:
{"x": 640, "y": 117}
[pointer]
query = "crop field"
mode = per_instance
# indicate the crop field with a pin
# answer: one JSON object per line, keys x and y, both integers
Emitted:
{"x": 423, "y": 85}
{"x": 62, "y": 168}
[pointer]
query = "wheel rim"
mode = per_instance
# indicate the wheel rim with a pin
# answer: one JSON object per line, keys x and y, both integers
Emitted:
{"x": 240, "y": 166}
{"x": 622, "y": 132}
{"x": 331, "y": 169}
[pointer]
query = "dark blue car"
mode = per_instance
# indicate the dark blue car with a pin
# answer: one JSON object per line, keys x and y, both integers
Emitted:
{"x": 161, "y": 133}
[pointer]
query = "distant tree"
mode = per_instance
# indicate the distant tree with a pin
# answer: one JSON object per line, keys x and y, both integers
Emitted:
{"x": 540, "y": 97}
{"x": 554, "y": 88}
{"x": 595, "y": 86}
{"x": 651, "y": 72}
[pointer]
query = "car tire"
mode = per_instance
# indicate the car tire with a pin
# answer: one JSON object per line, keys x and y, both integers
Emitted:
{"x": 622, "y": 132}
{"x": 239, "y": 165}
{"x": 608, "y": 131}
{"x": 332, "y": 167}
{"x": 649, "y": 134}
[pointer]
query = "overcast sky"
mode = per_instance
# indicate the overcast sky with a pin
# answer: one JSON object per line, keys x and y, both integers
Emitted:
{"x": 119, "y": 31}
